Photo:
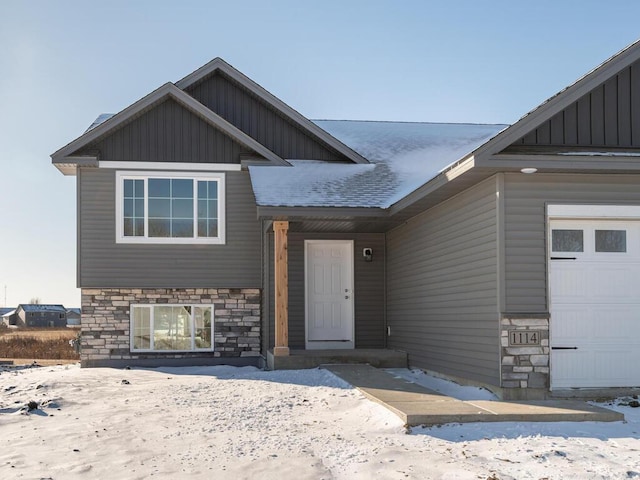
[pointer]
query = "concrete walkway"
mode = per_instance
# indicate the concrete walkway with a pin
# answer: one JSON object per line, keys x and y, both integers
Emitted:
{"x": 417, "y": 405}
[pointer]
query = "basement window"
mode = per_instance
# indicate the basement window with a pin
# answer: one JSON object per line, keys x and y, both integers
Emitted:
{"x": 171, "y": 328}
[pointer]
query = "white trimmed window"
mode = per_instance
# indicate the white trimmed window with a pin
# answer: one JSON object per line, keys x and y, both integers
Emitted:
{"x": 171, "y": 328}
{"x": 170, "y": 207}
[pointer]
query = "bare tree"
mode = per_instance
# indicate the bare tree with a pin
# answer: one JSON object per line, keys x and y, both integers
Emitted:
{"x": 34, "y": 301}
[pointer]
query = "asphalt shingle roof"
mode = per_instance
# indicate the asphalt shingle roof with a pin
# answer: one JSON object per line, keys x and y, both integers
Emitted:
{"x": 403, "y": 157}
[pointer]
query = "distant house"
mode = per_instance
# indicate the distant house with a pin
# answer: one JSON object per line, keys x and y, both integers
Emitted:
{"x": 28, "y": 315}
{"x": 7, "y": 316}
{"x": 73, "y": 316}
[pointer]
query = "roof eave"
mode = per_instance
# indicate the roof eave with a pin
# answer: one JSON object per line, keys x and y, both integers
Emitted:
{"x": 570, "y": 163}
{"x": 69, "y": 165}
{"x": 296, "y": 212}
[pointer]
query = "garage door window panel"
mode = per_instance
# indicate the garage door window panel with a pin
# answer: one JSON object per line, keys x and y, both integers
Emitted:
{"x": 567, "y": 241}
{"x": 611, "y": 241}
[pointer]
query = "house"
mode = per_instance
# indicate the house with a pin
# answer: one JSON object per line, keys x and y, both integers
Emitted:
{"x": 35, "y": 315}
{"x": 7, "y": 316}
{"x": 73, "y": 316}
{"x": 219, "y": 225}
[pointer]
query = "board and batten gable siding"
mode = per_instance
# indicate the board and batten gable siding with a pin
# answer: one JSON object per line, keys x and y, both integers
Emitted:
{"x": 525, "y": 200}
{"x": 369, "y": 280}
{"x": 168, "y": 132}
{"x": 259, "y": 120}
{"x": 104, "y": 263}
{"x": 442, "y": 286}
{"x": 609, "y": 116}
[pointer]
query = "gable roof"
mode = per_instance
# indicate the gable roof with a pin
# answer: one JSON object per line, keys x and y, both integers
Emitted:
{"x": 219, "y": 65}
{"x": 479, "y": 164}
{"x": 560, "y": 101}
{"x": 66, "y": 162}
{"x": 387, "y": 182}
{"x": 403, "y": 156}
{"x": 29, "y": 307}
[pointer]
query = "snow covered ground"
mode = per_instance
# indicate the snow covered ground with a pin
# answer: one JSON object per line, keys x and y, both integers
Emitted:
{"x": 228, "y": 423}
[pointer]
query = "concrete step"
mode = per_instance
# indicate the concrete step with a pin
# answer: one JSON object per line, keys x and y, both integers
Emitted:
{"x": 417, "y": 405}
{"x": 299, "y": 359}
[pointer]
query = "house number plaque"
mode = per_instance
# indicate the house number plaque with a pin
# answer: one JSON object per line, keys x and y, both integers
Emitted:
{"x": 524, "y": 337}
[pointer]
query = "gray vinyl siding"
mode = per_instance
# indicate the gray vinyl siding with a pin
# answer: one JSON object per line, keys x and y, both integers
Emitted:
{"x": 260, "y": 121}
{"x": 442, "y": 298}
{"x": 168, "y": 132}
{"x": 525, "y": 202}
{"x": 103, "y": 263}
{"x": 369, "y": 280}
{"x": 609, "y": 116}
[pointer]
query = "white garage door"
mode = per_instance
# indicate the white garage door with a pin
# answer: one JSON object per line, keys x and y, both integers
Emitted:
{"x": 594, "y": 284}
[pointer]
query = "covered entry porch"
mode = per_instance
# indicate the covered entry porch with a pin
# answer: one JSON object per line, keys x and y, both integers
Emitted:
{"x": 324, "y": 296}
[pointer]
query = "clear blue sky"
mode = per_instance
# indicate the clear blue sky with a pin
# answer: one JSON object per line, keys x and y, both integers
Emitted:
{"x": 64, "y": 62}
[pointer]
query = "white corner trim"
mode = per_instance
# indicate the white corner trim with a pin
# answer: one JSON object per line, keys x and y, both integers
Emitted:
{"x": 187, "y": 167}
{"x": 593, "y": 211}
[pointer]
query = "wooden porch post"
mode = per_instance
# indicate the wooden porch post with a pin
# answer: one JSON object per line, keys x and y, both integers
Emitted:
{"x": 281, "y": 277}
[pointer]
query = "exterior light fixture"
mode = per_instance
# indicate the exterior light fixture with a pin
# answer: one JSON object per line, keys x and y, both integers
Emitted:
{"x": 529, "y": 170}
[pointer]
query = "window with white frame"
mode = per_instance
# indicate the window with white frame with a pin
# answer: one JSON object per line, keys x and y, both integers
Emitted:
{"x": 174, "y": 207}
{"x": 171, "y": 328}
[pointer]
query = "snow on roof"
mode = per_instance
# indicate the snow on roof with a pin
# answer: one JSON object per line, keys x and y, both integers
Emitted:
{"x": 103, "y": 117}
{"x": 403, "y": 157}
{"x": 7, "y": 312}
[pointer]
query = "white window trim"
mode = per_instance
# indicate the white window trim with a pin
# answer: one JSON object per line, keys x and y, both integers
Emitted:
{"x": 144, "y": 175}
{"x": 152, "y": 306}
{"x": 593, "y": 211}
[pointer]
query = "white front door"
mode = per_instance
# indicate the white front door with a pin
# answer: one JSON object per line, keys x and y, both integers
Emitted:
{"x": 594, "y": 285}
{"x": 329, "y": 294}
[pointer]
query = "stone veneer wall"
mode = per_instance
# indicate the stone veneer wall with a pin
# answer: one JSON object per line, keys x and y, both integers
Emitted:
{"x": 525, "y": 366}
{"x": 105, "y": 322}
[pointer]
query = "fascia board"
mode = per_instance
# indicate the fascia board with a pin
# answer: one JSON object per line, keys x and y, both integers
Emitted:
{"x": 301, "y": 120}
{"x": 165, "y": 91}
{"x": 336, "y": 213}
{"x": 434, "y": 184}
{"x": 570, "y": 163}
{"x": 560, "y": 101}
